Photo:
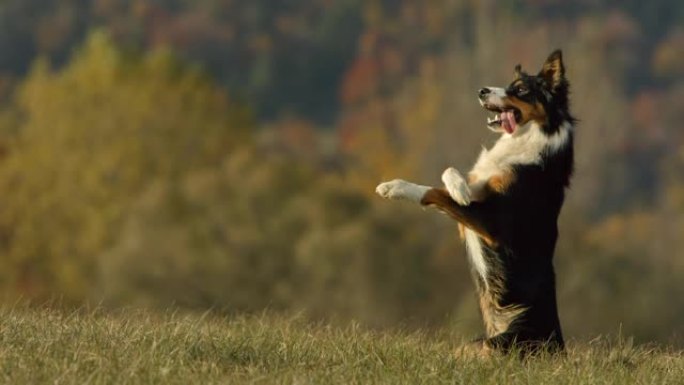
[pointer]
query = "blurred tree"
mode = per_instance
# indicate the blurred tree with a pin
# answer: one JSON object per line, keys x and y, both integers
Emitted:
{"x": 220, "y": 236}
{"x": 84, "y": 141}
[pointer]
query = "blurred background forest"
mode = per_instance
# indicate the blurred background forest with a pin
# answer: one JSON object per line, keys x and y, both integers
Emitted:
{"x": 223, "y": 154}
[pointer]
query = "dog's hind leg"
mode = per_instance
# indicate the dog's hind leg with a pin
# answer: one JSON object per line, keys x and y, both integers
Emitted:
{"x": 474, "y": 350}
{"x": 509, "y": 341}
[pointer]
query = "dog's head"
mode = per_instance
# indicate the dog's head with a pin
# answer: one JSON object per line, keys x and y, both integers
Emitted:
{"x": 541, "y": 98}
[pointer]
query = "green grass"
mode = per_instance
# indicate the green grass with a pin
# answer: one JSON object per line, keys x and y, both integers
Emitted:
{"x": 50, "y": 346}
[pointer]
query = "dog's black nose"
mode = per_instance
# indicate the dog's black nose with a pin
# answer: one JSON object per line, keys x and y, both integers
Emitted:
{"x": 484, "y": 92}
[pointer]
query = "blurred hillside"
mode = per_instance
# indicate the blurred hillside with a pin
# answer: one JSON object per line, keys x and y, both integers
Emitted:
{"x": 224, "y": 153}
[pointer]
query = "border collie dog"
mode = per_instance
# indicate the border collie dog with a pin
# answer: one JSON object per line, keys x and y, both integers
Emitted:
{"x": 507, "y": 208}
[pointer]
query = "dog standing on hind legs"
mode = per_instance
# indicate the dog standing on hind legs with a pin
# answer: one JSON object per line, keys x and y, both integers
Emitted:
{"x": 508, "y": 207}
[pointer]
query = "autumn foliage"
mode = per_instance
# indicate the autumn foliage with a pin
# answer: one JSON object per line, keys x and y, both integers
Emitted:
{"x": 224, "y": 154}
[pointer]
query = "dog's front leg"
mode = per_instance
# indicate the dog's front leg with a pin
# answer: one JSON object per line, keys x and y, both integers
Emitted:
{"x": 476, "y": 216}
{"x": 399, "y": 189}
{"x": 457, "y": 186}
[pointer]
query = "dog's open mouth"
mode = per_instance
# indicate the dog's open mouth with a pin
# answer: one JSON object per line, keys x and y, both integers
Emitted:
{"x": 506, "y": 119}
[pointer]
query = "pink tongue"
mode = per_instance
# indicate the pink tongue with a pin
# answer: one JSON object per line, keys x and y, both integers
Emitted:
{"x": 508, "y": 121}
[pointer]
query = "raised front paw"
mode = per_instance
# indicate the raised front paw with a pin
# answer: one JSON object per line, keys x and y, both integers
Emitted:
{"x": 399, "y": 189}
{"x": 457, "y": 186}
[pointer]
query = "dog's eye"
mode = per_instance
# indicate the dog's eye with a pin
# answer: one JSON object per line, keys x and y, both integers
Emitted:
{"x": 521, "y": 90}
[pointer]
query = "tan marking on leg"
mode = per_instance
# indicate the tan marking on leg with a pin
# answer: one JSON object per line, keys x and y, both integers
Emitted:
{"x": 440, "y": 199}
{"x": 497, "y": 318}
{"x": 461, "y": 231}
{"x": 488, "y": 317}
{"x": 500, "y": 183}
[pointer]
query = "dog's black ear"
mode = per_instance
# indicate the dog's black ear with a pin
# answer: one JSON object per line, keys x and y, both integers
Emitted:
{"x": 518, "y": 71}
{"x": 553, "y": 70}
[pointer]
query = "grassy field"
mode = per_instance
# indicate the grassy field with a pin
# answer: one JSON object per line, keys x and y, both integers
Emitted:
{"x": 40, "y": 346}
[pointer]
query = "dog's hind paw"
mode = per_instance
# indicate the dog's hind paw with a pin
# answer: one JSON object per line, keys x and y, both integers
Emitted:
{"x": 399, "y": 189}
{"x": 457, "y": 186}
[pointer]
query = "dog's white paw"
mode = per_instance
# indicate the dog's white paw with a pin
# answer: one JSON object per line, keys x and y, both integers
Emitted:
{"x": 399, "y": 189}
{"x": 457, "y": 186}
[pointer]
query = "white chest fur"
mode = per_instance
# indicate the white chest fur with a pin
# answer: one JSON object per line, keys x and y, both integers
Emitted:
{"x": 524, "y": 147}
